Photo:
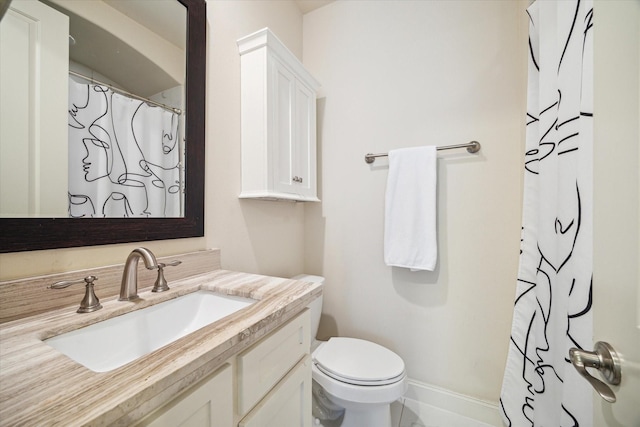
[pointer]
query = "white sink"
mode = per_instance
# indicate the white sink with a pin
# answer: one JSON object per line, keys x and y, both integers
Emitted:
{"x": 115, "y": 342}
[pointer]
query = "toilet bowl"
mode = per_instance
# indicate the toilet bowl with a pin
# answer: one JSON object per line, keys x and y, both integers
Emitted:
{"x": 359, "y": 376}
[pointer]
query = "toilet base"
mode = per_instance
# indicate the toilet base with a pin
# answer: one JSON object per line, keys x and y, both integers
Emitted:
{"x": 373, "y": 416}
{"x": 364, "y": 414}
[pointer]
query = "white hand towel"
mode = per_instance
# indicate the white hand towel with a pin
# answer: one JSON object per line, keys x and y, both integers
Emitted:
{"x": 410, "y": 209}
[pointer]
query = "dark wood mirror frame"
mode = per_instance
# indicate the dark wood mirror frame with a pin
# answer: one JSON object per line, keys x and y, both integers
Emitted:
{"x": 27, "y": 234}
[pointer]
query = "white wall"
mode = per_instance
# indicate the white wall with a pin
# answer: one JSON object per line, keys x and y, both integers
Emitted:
{"x": 398, "y": 74}
{"x": 265, "y": 237}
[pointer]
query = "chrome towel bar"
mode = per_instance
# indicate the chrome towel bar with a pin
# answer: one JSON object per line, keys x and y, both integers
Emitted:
{"x": 472, "y": 147}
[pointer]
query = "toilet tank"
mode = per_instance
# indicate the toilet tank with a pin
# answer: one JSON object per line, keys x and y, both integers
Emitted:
{"x": 316, "y": 305}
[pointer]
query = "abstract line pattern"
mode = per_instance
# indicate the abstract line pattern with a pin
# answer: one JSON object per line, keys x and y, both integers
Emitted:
{"x": 552, "y": 310}
{"x": 124, "y": 156}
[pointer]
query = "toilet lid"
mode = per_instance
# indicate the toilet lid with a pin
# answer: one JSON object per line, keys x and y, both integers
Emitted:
{"x": 358, "y": 361}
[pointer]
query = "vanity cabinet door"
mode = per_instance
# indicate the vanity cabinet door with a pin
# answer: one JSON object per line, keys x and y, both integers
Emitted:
{"x": 288, "y": 404}
{"x": 262, "y": 366}
{"x": 208, "y": 404}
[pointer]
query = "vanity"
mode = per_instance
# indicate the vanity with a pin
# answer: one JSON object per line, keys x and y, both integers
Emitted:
{"x": 251, "y": 368}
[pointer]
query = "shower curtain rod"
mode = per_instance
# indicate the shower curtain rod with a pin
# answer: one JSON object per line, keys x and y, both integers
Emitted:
{"x": 472, "y": 147}
{"x": 124, "y": 92}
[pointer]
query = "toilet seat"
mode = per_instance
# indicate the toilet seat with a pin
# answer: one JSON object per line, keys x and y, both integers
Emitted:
{"x": 367, "y": 364}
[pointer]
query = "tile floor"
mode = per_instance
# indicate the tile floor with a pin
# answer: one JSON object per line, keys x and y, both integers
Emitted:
{"x": 410, "y": 413}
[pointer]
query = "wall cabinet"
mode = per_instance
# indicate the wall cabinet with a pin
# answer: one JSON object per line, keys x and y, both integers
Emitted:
{"x": 267, "y": 385}
{"x": 278, "y": 121}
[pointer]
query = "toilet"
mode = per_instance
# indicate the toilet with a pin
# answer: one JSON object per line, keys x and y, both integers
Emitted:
{"x": 353, "y": 375}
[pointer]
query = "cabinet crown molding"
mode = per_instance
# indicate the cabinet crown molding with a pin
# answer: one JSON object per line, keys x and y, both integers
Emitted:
{"x": 266, "y": 37}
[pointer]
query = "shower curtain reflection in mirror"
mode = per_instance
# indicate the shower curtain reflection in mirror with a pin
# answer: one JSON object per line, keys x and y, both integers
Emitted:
{"x": 124, "y": 156}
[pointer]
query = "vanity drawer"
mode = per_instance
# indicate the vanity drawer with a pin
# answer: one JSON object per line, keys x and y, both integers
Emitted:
{"x": 267, "y": 362}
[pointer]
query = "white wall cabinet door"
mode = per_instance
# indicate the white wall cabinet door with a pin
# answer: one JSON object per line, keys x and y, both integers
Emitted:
{"x": 305, "y": 155}
{"x": 280, "y": 127}
{"x": 288, "y": 404}
{"x": 294, "y": 132}
{"x": 209, "y": 404}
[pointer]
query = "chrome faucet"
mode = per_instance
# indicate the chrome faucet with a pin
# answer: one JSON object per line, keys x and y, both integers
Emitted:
{"x": 129, "y": 286}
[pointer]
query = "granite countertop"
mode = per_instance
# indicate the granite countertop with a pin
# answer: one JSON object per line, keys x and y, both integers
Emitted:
{"x": 40, "y": 386}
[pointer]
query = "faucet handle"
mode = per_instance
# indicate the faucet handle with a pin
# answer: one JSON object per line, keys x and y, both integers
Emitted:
{"x": 90, "y": 302}
{"x": 161, "y": 283}
{"x": 66, "y": 283}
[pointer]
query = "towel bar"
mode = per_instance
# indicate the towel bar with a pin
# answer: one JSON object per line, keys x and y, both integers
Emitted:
{"x": 472, "y": 147}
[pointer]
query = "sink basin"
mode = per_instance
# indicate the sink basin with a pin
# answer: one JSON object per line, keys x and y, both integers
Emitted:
{"x": 115, "y": 342}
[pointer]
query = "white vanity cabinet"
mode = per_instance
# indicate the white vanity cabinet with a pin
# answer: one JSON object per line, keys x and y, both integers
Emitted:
{"x": 266, "y": 385}
{"x": 278, "y": 121}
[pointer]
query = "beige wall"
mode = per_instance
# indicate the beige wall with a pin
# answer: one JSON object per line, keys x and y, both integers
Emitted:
{"x": 264, "y": 237}
{"x": 398, "y": 74}
{"x": 254, "y": 236}
{"x": 394, "y": 74}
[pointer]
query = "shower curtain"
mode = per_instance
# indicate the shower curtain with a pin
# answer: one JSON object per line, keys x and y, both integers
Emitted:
{"x": 124, "y": 156}
{"x": 552, "y": 310}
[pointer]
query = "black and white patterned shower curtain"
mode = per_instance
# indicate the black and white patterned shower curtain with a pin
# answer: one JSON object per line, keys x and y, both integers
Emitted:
{"x": 552, "y": 311}
{"x": 124, "y": 156}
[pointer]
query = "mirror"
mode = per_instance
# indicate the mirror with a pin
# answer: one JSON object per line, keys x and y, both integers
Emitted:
{"x": 21, "y": 234}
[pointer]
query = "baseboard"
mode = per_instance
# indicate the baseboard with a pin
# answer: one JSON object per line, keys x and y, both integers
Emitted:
{"x": 476, "y": 409}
